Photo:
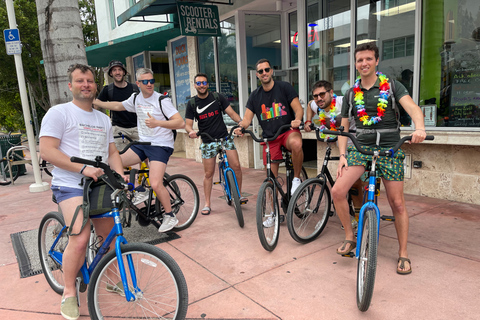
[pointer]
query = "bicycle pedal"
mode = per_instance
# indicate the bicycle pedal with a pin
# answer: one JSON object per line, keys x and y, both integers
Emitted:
{"x": 244, "y": 201}
{"x": 388, "y": 218}
{"x": 282, "y": 218}
{"x": 216, "y": 182}
{"x": 349, "y": 255}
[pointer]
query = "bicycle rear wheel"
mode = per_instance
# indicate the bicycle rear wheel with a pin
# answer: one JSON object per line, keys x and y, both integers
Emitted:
{"x": 268, "y": 224}
{"x": 50, "y": 227}
{"x": 367, "y": 260}
{"x": 183, "y": 198}
{"x": 308, "y": 210}
{"x": 5, "y": 174}
{"x": 162, "y": 289}
{"x": 235, "y": 197}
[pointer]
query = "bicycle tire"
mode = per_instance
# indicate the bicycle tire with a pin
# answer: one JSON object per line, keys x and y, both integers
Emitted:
{"x": 91, "y": 248}
{"x": 6, "y": 176}
{"x": 307, "y": 214}
{"x": 223, "y": 184}
{"x": 184, "y": 198}
{"x": 164, "y": 292}
{"x": 267, "y": 206}
{"x": 47, "y": 167}
{"x": 367, "y": 260}
{"x": 235, "y": 197}
{"x": 50, "y": 226}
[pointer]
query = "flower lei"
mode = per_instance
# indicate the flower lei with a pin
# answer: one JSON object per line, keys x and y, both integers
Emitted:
{"x": 382, "y": 101}
{"x": 322, "y": 117}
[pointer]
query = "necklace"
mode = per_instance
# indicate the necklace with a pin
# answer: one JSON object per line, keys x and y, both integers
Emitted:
{"x": 322, "y": 116}
{"x": 382, "y": 101}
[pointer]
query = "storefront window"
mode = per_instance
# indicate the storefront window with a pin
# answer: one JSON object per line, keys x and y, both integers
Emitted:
{"x": 292, "y": 21}
{"x": 450, "y": 73}
{"x": 227, "y": 62}
{"x": 328, "y": 43}
{"x": 380, "y": 21}
{"x": 206, "y": 59}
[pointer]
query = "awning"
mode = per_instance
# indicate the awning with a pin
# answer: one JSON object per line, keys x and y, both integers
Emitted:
{"x": 145, "y": 8}
{"x": 99, "y": 55}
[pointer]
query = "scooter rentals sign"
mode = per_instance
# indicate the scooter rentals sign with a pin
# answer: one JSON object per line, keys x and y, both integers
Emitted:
{"x": 198, "y": 20}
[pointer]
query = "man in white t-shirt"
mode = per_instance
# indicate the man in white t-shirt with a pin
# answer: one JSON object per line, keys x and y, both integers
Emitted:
{"x": 156, "y": 127}
{"x": 76, "y": 129}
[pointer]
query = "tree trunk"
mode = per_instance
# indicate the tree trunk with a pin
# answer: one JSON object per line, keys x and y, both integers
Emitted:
{"x": 62, "y": 43}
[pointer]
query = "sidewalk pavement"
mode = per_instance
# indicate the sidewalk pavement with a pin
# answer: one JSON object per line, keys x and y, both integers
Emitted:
{"x": 230, "y": 276}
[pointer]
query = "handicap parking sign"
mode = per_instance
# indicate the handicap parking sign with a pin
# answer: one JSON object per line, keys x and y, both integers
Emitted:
{"x": 12, "y": 41}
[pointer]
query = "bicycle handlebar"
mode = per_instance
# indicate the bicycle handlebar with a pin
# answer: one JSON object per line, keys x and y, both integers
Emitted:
{"x": 254, "y": 137}
{"x": 388, "y": 153}
{"x": 106, "y": 168}
{"x": 218, "y": 140}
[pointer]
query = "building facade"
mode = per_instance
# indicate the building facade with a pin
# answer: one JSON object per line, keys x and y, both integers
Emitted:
{"x": 431, "y": 46}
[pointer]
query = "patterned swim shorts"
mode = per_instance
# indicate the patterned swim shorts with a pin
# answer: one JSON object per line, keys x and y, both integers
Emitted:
{"x": 210, "y": 150}
{"x": 391, "y": 169}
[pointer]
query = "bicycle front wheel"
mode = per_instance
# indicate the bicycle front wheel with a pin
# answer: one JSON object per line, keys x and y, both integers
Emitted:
{"x": 308, "y": 210}
{"x": 367, "y": 260}
{"x": 235, "y": 197}
{"x": 5, "y": 175}
{"x": 183, "y": 198}
{"x": 161, "y": 291}
{"x": 50, "y": 228}
{"x": 223, "y": 183}
{"x": 268, "y": 224}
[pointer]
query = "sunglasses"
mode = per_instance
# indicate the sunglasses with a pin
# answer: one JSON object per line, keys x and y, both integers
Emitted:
{"x": 267, "y": 70}
{"x": 145, "y": 82}
{"x": 321, "y": 94}
{"x": 199, "y": 83}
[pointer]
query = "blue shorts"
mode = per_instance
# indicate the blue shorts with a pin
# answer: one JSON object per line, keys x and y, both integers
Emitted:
{"x": 153, "y": 153}
{"x": 62, "y": 193}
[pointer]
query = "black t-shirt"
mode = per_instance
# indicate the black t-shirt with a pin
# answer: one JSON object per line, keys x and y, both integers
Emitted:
{"x": 122, "y": 119}
{"x": 209, "y": 114}
{"x": 273, "y": 107}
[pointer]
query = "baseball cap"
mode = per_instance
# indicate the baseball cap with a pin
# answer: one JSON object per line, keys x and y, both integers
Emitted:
{"x": 115, "y": 63}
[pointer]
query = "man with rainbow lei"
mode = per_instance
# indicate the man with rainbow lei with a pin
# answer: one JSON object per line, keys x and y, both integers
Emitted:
{"x": 377, "y": 129}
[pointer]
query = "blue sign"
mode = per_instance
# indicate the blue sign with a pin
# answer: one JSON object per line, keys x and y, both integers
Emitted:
{"x": 181, "y": 73}
{"x": 11, "y": 35}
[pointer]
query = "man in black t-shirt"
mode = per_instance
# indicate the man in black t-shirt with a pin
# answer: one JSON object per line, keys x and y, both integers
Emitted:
{"x": 120, "y": 90}
{"x": 208, "y": 109}
{"x": 276, "y": 103}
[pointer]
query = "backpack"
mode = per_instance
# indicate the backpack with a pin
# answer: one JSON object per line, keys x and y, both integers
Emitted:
{"x": 391, "y": 92}
{"x": 110, "y": 90}
{"x": 161, "y": 109}
{"x": 192, "y": 102}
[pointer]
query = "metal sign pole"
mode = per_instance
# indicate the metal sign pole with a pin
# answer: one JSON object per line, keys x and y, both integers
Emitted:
{"x": 38, "y": 186}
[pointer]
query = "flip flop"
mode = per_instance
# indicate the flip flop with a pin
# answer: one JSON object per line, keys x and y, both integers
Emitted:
{"x": 352, "y": 244}
{"x": 402, "y": 266}
{"x": 207, "y": 211}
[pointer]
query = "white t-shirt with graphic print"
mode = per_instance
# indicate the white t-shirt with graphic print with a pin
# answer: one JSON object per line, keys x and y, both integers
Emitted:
{"x": 83, "y": 134}
{"x": 157, "y": 136}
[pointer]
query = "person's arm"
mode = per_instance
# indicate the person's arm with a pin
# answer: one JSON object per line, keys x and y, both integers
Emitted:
{"x": 112, "y": 105}
{"x": 49, "y": 151}
{"x": 175, "y": 122}
{"x": 189, "y": 128}
{"x": 115, "y": 161}
{"x": 247, "y": 119}
{"x": 310, "y": 115}
{"x": 297, "y": 108}
{"x": 232, "y": 114}
{"x": 342, "y": 146}
{"x": 416, "y": 114}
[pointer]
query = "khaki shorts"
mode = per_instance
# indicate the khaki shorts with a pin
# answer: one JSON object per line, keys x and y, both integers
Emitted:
{"x": 391, "y": 169}
{"x": 132, "y": 133}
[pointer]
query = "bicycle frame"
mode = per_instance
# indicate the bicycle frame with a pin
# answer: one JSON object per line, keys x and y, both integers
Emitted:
{"x": 285, "y": 196}
{"x": 225, "y": 167}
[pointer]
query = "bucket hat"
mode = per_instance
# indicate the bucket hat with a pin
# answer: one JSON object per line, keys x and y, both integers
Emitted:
{"x": 115, "y": 63}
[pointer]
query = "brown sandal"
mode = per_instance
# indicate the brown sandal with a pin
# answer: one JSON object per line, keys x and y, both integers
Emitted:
{"x": 401, "y": 267}
{"x": 352, "y": 244}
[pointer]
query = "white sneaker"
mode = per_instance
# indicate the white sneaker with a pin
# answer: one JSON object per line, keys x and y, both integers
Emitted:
{"x": 295, "y": 183}
{"x": 168, "y": 223}
{"x": 140, "y": 197}
{"x": 270, "y": 222}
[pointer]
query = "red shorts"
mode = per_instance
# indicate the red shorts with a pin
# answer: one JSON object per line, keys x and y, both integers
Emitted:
{"x": 276, "y": 146}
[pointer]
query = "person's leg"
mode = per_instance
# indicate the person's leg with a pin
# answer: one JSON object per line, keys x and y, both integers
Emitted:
{"x": 294, "y": 144}
{"x": 394, "y": 190}
{"x": 131, "y": 157}
{"x": 209, "y": 169}
{"x": 339, "y": 196}
{"x": 156, "y": 173}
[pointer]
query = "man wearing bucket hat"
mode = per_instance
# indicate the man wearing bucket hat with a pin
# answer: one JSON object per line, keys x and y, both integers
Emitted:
{"x": 120, "y": 90}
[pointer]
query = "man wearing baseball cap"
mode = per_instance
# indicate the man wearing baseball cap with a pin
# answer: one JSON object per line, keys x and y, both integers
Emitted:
{"x": 120, "y": 90}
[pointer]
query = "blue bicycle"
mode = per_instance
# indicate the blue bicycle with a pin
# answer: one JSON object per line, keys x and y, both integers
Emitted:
{"x": 368, "y": 225}
{"x": 153, "y": 286}
{"x": 227, "y": 177}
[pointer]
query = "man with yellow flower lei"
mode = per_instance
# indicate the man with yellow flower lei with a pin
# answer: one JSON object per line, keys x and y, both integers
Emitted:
{"x": 377, "y": 129}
